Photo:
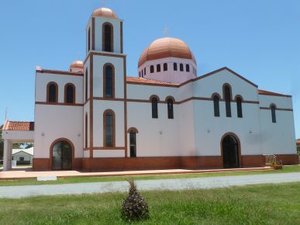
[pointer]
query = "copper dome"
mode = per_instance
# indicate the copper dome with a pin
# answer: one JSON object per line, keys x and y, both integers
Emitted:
{"x": 105, "y": 12}
{"x": 164, "y": 48}
{"x": 77, "y": 64}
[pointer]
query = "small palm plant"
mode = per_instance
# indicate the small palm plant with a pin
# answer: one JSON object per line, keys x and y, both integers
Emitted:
{"x": 134, "y": 207}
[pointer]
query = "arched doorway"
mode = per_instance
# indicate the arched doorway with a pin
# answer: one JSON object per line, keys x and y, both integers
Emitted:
{"x": 230, "y": 151}
{"x": 62, "y": 152}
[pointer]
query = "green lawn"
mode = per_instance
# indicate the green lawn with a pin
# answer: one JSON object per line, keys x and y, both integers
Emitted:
{"x": 31, "y": 181}
{"x": 261, "y": 204}
{"x": 286, "y": 169}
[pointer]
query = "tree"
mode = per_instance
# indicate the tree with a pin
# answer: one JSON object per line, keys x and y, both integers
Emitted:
{"x": 134, "y": 207}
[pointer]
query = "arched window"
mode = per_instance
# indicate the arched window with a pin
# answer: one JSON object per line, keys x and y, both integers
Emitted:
{"x": 86, "y": 84}
{"x": 175, "y": 66}
{"x": 273, "y": 113}
{"x": 151, "y": 69}
{"x": 70, "y": 93}
{"x": 216, "y": 100}
{"x": 52, "y": 92}
{"x": 109, "y": 128}
{"x": 86, "y": 131}
{"x": 187, "y": 68}
{"x": 142, "y": 72}
{"x": 239, "y": 107}
{"x": 109, "y": 81}
{"x": 108, "y": 40}
{"x": 154, "y": 104}
{"x": 227, "y": 97}
{"x": 181, "y": 67}
{"x": 132, "y": 141}
{"x": 89, "y": 39}
{"x": 170, "y": 103}
{"x": 165, "y": 66}
{"x": 158, "y": 68}
{"x": 145, "y": 71}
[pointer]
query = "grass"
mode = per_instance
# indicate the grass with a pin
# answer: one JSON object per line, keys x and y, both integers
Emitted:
{"x": 31, "y": 181}
{"x": 261, "y": 204}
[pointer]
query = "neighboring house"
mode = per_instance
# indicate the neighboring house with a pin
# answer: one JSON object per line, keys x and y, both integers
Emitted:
{"x": 95, "y": 117}
{"x": 22, "y": 156}
{"x": 298, "y": 146}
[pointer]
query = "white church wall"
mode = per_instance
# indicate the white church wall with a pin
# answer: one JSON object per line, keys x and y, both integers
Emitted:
{"x": 42, "y": 79}
{"x": 280, "y": 101}
{"x": 156, "y": 137}
{"x": 206, "y": 86}
{"x": 209, "y": 130}
{"x": 54, "y": 122}
{"x": 162, "y": 136}
{"x": 18, "y": 135}
{"x": 279, "y": 137}
{"x": 186, "y": 128}
{"x": 144, "y": 92}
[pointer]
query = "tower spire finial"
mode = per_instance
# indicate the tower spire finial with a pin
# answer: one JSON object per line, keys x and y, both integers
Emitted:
{"x": 166, "y": 31}
{"x": 103, "y": 3}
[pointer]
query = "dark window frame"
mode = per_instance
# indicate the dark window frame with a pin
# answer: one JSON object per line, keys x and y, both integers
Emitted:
{"x": 151, "y": 69}
{"x": 175, "y": 67}
{"x": 158, "y": 68}
{"x": 216, "y": 101}
{"x": 181, "y": 67}
{"x": 106, "y": 79}
{"x": 170, "y": 107}
{"x": 187, "y": 68}
{"x": 154, "y": 106}
{"x": 273, "y": 113}
{"x": 109, "y": 113}
{"x": 52, "y": 94}
{"x": 227, "y": 94}
{"x": 165, "y": 66}
{"x": 239, "y": 106}
{"x": 107, "y": 37}
{"x": 70, "y": 99}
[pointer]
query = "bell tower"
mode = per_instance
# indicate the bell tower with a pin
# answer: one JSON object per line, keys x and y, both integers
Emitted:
{"x": 105, "y": 32}
{"x": 105, "y": 128}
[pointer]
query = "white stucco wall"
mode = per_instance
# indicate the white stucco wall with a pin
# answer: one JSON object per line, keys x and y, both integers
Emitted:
{"x": 53, "y": 122}
{"x": 279, "y": 137}
{"x": 42, "y": 79}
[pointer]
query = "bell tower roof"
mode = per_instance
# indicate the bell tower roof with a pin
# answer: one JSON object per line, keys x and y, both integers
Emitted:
{"x": 105, "y": 12}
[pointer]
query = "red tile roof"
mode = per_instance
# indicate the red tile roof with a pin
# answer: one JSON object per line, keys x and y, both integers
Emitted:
{"x": 264, "y": 92}
{"x": 18, "y": 126}
{"x": 298, "y": 141}
{"x": 141, "y": 80}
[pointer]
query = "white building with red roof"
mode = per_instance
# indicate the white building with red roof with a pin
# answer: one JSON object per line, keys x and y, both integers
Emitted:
{"x": 95, "y": 117}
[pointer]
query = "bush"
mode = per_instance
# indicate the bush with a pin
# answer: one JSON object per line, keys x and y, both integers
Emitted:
{"x": 134, "y": 207}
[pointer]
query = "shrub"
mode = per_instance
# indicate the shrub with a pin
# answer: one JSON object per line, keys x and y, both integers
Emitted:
{"x": 134, "y": 207}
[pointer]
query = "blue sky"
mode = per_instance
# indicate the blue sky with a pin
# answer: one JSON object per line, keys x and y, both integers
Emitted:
{"x": 258, "y": 39}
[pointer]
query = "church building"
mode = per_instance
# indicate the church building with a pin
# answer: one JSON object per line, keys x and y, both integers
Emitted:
{"x": 94, "y": 117}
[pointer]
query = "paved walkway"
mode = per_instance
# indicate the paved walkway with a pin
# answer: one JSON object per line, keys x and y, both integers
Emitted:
{"x": 145, "y": 185}
{"x": 15, "y": 174}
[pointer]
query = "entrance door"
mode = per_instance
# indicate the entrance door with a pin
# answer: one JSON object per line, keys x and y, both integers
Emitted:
{"x": 62, "y": 156}
{"x": 230, "y": 148}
